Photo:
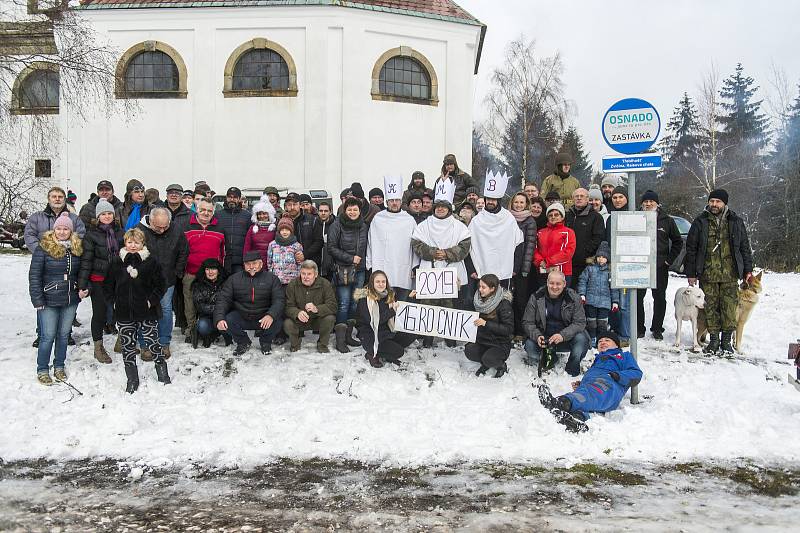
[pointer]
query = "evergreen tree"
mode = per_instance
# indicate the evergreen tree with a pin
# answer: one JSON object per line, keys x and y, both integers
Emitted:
{"x": 572, "y": 144}
{"x": 743, "y": 125}
{"x": 541, "y": 140}
{"x": 679, "y": 146}
{"x": 482, "y": 157}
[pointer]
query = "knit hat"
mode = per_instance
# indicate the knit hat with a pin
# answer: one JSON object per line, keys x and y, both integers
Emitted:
{"x": 133, "y": 183}
{"x": 609, "y": 180}
{"x": 285, "y": 223}
{"x": 719, "y": 194}
{"x": 305, "y": 198}
{"x": 71, "y": 196}
{"x": 375, "y": 192}
{"x": 619, "y": 189}
{"x": 563, "y": 158}
{"x": 357, "y": 190}
{"x": 415, "y": 195}
{"x": 471, "y": 190}
{"x": 552, "y": 195}
{"x": 468, "y": 206}
{"x": 64, "y": 221}
{"x": 103, "y": 206}
{"x": 557, "y": 206}
{"x": 609, "y": 335}
{"x": 649, "y": 195}
{"x": 595, "y": 194}
{"x": 604, "y": 250}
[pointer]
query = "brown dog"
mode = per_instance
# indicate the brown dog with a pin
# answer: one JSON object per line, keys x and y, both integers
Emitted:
{"x": 748, "y": 298}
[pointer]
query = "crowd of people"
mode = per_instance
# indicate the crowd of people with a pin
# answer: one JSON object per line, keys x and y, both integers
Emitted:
{"x": 533, "y": 264}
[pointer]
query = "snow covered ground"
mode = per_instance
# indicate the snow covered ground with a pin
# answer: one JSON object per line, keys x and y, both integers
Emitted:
{"x": 433, "y": 410}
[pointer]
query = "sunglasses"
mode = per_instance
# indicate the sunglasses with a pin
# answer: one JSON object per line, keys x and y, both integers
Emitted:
{"x": 137, "y": 189}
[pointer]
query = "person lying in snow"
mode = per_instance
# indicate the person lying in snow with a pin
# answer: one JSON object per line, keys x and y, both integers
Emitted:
{"x": 601, "y": 389}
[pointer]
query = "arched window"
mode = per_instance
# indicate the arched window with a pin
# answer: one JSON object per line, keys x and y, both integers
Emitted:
{"x": 151, "y": 70}
{"x": 36, "y": 90}
{"x": 404, "y": 75}
{"x": 260, "y": 68}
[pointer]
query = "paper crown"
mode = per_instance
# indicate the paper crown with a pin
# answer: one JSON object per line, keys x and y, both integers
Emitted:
{"x": 495, "y": 184}
{"x": 393, "y": 187}
{"x": 444, "y": 190}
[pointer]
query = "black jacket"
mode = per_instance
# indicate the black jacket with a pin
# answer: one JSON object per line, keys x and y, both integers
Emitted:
{"x": 324, "y": 261}
{"x": 589, "y": 231}
{"x": 523, "y": 254}
{"x": 365, "y": 333}
{"x": 253, "y": 296}
{"x": 87, "y": 212}
{"x": 697, "y": 241}
{"x": 135, "y": 298}
{"x": 347, "y": 239}
{"x": 535, "y": 319}
{"x": 205, "y": 292}
{"x": 180, "y": 217}
{"x": 96, "y": 259}
{"x": 170, "y": 249}
{"x": 305, "y": 230}
{"x": 668, "y": 240}
{"x": 499, "y": 329}
{"x": 233, "y": 223}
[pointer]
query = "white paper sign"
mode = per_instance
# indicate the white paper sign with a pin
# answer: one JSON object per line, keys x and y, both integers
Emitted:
{"x": 634, "y": 275}
{"x": 435, "y": 321}
{"x": 437, "y": 283}
{"x": 633, "y": 245}
{"x": 632, "y": 222}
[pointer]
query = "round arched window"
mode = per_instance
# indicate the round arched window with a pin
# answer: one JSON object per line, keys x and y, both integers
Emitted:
{"x": 39, "y": 91}
{"x": 151, "y": 72}
{"x": 404, "y": 77}
{"x": 261, "y": 69}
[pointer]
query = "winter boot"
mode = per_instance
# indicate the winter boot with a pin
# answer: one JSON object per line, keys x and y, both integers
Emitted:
{"x": 294, "y": 343}
{"x": 36, "y": 344}
{"x": 340, "y": 330}
{"x": 166, "y": 352}
{"x": 427, "y": 342}
{"x": 227, "y": 338}
{"x": 560, "y": 408}
{"x": 118, "y": 345}
{"x": 59, "y": 374}
{"x": 450, "y": 343}
{"x": 658, "y": 335}
{"x": 71, "y": 340}
{"x": 147, "y": 355}
{"x": 207, "y": 340}
{"x": 195, "y": 337}
{"x": 501, "y": 371}
{"x": 322, "y": 348}
{"x": 241, "y": 349}
{"x": 713, "y": 343}
{"x": 44, "y": 378}
{"x": 374, "y": 360}
{"x": 726, "y": 347}
{"x": 591, "y": 329}
{"x": 602, "y": 326}
{"x": 132, "y": 373}
{"x": 481, "y": 371}
{"x": 162, "y": 372}
{"x": 349, "y": 335}
{"x": 100, "y": 352}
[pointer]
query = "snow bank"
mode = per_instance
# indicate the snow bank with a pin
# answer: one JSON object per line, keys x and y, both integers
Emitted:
{"x": 434, "y": 410}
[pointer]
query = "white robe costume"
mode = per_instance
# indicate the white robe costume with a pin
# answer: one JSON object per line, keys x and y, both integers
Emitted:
{"x": 495, "y": 236}
{"x": 389, "y": 247}
{"x": 443, "y": 234}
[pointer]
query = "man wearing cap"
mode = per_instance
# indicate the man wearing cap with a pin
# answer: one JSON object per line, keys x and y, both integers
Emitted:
{"x": 607, "y": 187}
{"x": 376, "y": 198}
{"x": 561, "y": 181}
{"x": 233, "y": 222}
{"x": 427, "y": 202}
{"x": 718, "y": 253}
{"x": 134, "y": 207}
{"x": 205, "y": 241}
{"x": 105, "y": 191}
{"x": 589, "y": 231}
{"x": 306, "y": 205}
{"x": 450, "y": 172}
{"x": 600, "y": 390}
{"x": 417, "y": 185}
{"x": 177, "y": 209}
{"x": 251, "y": 299}
{"x": 389, "y": 241}
{"x": 188, "y": 199}
{"x": 668, "y": 247}
{"x": 274, "y": 198}
{"x": 442, "y": 241}
{"x": 304, "y": 229}
{"x": 620, "y": 321}
{"x": 167, "y": 244}
{"x": 415, "y": 207}
{"x": 554, "y": 318}
{"x": 495, "y": 233}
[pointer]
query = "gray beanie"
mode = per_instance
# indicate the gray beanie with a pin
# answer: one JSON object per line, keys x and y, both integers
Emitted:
{"x": 556, "y": 206}
{"x": 609, "y": 180}
{"x": 595, "y": 194}
{"x": 604, "y": 250}
{"x": 103, "y": 206}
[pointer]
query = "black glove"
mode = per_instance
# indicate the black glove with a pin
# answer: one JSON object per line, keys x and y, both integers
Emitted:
{"x": 614, "y": 376}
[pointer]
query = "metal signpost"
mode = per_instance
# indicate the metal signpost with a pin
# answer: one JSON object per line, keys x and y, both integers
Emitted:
{"x": 630, "y": 127}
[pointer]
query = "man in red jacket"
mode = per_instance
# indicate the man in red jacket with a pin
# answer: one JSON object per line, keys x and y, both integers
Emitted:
{"x": 205, "y": 240}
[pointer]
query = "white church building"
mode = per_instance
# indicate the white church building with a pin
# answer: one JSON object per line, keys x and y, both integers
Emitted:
{"x": 298, "y": 94}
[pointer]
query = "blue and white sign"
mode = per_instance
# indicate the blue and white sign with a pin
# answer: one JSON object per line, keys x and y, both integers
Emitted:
{"x": 631, "y": 163}
{"x": 631, "y": 126}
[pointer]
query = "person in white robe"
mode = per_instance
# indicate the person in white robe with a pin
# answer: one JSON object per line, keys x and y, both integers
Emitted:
{"x": 389, "y": 245}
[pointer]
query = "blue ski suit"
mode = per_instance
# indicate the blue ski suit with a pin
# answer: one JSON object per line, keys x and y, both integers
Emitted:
{"x": 599, "y": 392}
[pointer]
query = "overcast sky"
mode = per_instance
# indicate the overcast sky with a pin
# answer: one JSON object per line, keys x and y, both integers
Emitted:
{"x": 649, "y": 49}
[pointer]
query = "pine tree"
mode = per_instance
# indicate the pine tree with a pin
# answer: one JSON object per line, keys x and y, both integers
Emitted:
{"x": 482, "y": 157}
{"x": 743, "y": 125}
{"x": 572, "y": 144}
{"x": 679, "y": 146}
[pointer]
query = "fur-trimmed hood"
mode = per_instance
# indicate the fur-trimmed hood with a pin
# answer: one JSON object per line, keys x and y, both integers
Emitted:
{"x": 50, "y": 245}
{"x": 144, "y": 253}
{"x": 358, "y": 294}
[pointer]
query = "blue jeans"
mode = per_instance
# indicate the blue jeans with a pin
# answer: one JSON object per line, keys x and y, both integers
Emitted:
{"x": 165, "y": 323}
{"x": 621, "y": 320}
{"x": 55, "y": 323}
{"x": 577, "y": 349}
{"x": 344, "y": 294}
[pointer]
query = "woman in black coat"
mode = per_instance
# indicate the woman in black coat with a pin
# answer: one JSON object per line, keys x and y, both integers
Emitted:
{"x": 135, "y": 286}
{"x": 100, "y": 245}
{"x": 520, "y": 207}
{"x": 205, "y": 287}
{"x": 495, "y": 327}
{"x": 376, "y": 308}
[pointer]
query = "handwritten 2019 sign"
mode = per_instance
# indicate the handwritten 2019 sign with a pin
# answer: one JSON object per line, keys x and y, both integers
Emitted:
{"x": 435, "y": 321}
{"x": 434, "y": 283}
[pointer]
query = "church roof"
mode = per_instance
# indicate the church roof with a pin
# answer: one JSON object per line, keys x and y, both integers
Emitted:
{"x": 446, "y": 10}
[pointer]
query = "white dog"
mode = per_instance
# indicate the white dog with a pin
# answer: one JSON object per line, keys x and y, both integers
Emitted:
{"x": 688, "y": 302}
